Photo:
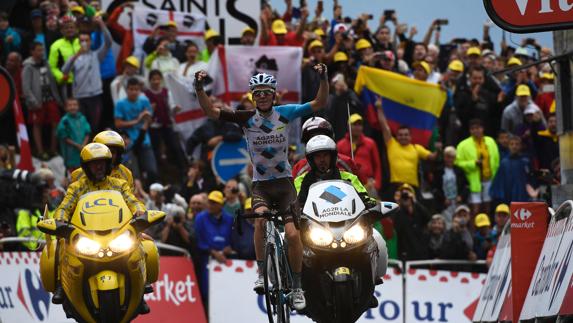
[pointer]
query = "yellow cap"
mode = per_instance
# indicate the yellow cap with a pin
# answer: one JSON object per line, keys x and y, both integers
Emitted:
{"x": 482, "y": 220}
{"x": 79, "y": 9}
{"x": 279, "y": 27}
{"x": 110, "y": 138}
{"x": 315, "y": 43}
{"x": 502, "y": 208}
{"x": 210, "y": 34}
{"x": 456, "y": 65}
{"x": 340, "y": 57}
{"x": 548, "y": 76}
{"x": 407, "y": 187}
{"x": 133, "y": 61}
{"x": 319, "y": 32}
{"x": 355, "y": 118}
{"x": 171, "y": 23}
{"x": 473, "y": 51}
{"x": 523, "y": 90}
{"x": 424, "y": 65}
{"x": 248, "y": 203}
{"x": 552, "y": 107}
{"x": 514, "y": 61}
{"x": 217, "y": 197}
{"x": 248, "y": 30}
{"x": 362, "y": 44}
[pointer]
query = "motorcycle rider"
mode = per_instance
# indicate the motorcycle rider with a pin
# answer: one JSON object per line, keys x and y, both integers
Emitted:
{"x": 321, "y": 154}
{"x": 116, "y": 145}
{"x": 265, "y": 131}
{"x": 96, "y": 163}
{"x": 319, "y": 126}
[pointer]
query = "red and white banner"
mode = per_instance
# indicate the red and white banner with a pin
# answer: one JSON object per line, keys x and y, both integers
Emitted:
{"x": 528, "y": 230}
{"x": 23, "y": 299}
{"x": 552, "y": 278}
{"x": 190, "y": 26}
{"x": 191, "y": 115}
{"x": 25, "y": 162}
{"x": 176, "y": 293}
{"x": 232, "y": 283}
{"x": 236, "y": 65}
{"x": 494, "y": 293}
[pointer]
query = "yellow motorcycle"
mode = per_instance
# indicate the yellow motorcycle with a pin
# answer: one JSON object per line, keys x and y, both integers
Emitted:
{"x": 103, "y": 263}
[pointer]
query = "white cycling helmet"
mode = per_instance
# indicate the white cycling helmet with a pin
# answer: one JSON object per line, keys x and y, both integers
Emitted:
{"x": 317, "y": 144}
{"x": 262, "y": 79}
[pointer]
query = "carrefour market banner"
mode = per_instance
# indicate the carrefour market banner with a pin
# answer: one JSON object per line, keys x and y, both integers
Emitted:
{"x": 431, "y": 296}
{"x": 22, "y": 298}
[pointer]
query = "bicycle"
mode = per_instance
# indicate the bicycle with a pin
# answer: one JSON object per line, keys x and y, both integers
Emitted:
{"x": 276, "y": 270}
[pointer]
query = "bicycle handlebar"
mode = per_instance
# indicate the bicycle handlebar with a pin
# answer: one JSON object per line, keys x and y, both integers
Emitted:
{"x": 271, "y": 215}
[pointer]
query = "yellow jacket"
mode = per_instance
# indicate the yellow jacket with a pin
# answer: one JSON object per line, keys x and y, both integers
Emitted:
{"x": 84, "y": 185}
{"x": 120, "y": 172}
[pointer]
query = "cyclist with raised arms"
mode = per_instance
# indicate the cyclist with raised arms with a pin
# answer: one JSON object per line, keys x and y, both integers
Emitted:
{"x": 266, "y": 131}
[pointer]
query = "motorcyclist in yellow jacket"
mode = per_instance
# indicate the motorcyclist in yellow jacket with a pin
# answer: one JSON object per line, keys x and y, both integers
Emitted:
{"x": 116, "y": 145}
{"x": 321, "y": 154}
{"x": 96, "y": 162}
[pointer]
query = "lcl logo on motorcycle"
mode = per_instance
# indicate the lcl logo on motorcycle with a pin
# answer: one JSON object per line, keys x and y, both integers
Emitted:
{"x": 100, "y": 202}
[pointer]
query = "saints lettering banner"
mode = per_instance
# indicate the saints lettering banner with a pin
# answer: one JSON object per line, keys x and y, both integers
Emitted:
{"x": 190, "y": 26}
{"x": 232, "y": 67}
{"x": 191, "y": 116}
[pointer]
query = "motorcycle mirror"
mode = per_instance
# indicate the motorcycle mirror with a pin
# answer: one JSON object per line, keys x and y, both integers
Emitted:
{"x": 55, "y": 228}
{"x": 384, "y": 209}
{"x": 150, "y": 218}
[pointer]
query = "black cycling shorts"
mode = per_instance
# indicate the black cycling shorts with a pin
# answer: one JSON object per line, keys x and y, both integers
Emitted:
{"x": 276, "y": 194}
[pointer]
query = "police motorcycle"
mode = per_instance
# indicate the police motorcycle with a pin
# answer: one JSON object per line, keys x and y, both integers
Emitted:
{"x": 343, "y": 257}
{"x": 104, "y": 264}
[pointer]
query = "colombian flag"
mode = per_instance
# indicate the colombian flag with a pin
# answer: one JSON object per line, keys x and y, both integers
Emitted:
{"x": 405, "y": 101}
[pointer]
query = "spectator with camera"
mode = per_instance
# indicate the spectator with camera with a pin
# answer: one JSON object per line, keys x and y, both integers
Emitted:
{"x": 62, "y": 50}
{"x": 161, "y": 59}
{"x": 176, "y": 230}
{"x": 233, "y": 200}
{"x": 410, "y": 224}
{"x": 483, "y": 239}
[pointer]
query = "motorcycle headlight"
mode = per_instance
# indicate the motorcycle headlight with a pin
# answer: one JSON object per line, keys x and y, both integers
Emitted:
{"x": 87, "y": 246}
{"x": 320, "y": 237}
{"x": 122, "y": 243}
{"x": 354, "y": 234}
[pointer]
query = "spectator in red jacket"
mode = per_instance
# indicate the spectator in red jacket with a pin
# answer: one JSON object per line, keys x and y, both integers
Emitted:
{"x": 365, "y": 152}
{"x": 125, "y": 35}
{"x": 275, "y": 33}
{"x": 546, "y": 95}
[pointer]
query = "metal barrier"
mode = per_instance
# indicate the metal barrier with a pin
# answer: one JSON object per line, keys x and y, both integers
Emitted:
{"x": 444, "y": 262}
{"x": 160, "y": 245}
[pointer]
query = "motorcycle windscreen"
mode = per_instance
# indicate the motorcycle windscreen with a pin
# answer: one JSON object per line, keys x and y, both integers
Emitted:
{"x": 333, "y": 201}
{"x": 100, "y": 211}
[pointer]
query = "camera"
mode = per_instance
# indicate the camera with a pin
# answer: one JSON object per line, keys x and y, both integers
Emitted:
{"x": 405, "y": 195}
{"x": 388, "y": 14}
{"x": 235, "y": 190}
{"x": 370, "y": 17}
{"x": 177, "y": 219}
{"x": 21, "y": 189}
{"x": 442, "y": 22}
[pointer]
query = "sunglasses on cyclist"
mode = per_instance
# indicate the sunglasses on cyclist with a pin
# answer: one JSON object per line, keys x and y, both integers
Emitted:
{"x": 262, "y": 93}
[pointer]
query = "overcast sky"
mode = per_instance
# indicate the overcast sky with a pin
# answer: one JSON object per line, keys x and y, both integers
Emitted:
{"x": 466, "y": 17}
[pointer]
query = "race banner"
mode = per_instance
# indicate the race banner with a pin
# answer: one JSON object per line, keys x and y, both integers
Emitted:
{"x": 23, "y": 299}
{"x": 191, "y": 116}
{"x": 227, "y": 17}
{"x": 175, "y": 294}
{"x": 458, "y": 304}
{"x": 493, "y": 296}
{"x": 554, "y": 269}
{"x": 528, "y": 231}
{"x": 232, "y": 67}
{"x": 190, "y": 26}
{"x": 232, "y": 283}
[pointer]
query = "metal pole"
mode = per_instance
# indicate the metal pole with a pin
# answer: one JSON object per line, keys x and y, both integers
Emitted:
{"x": 350, "y": 131}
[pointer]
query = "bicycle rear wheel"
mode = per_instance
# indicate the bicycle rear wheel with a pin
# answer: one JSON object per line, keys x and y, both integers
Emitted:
{"x": 275, "y": 296}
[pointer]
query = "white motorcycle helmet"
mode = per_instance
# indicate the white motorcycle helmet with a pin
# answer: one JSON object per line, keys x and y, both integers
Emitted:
{"x": 317, "y": 144}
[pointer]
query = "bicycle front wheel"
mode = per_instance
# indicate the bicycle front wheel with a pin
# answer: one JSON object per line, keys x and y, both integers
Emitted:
{"x": 275, "y": 293}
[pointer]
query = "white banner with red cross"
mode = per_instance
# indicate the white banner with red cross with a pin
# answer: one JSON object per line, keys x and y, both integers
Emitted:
{"x": 190, "y": 26}
{"x": 191, "y": 116}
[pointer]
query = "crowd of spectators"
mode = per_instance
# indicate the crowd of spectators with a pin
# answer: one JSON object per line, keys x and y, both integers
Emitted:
{"x": 494, "y": 143}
